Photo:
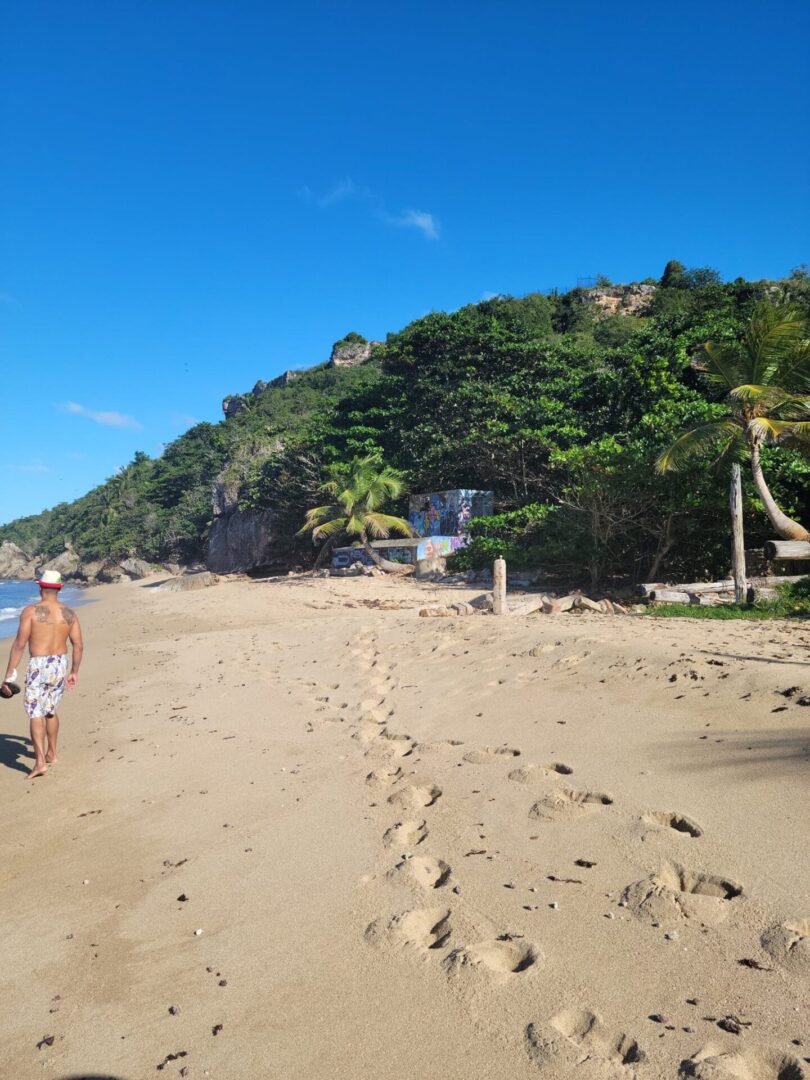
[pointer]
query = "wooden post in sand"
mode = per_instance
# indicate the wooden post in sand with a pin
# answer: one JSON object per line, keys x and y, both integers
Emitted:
{"x": 499, "y": 588}
{"x": 738, "y": 542}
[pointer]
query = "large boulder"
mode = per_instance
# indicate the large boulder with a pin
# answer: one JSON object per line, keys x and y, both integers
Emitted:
{"x": 239, "y": 541}
{"x": 89, "y": 571}
{"x": 111, "y": 573}
{"x": 67, "y": 563}
{"x": 15, "y": 564}
{"x": 188, "y": 582}
{"x": 136, "y": 568}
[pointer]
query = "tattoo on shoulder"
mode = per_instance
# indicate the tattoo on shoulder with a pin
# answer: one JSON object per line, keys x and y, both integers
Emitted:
{"x": 69, "y": 615}
{"x": 41, "y": 613}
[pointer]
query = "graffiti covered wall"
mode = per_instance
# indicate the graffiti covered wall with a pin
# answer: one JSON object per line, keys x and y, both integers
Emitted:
{"x": 446, "y": 513}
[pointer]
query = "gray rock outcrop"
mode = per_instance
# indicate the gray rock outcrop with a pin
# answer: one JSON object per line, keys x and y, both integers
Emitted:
{"x": 136, "y": 568}
{"x": 15, "y": 564}
{"x": 66, "y": 563}
{"x": 633, "y": 299}
{"x": 188, "y": 582}
{"x": 239, "y": 541}
{"x": 233, "y": 405}
{"x": 351, "y": 353}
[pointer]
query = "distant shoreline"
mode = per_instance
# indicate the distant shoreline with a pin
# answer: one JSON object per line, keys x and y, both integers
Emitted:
{"x": 15, "y": 595}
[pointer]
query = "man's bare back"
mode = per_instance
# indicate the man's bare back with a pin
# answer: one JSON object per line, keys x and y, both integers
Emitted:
{"x": 50, "y": 628}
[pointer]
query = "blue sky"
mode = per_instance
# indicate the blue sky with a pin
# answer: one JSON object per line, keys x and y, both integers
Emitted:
{"x": 200, "y": 194}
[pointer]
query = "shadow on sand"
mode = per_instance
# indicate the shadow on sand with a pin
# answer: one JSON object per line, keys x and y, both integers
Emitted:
{"x": 12, "y": 748}
{"x": 91, "y": 1076}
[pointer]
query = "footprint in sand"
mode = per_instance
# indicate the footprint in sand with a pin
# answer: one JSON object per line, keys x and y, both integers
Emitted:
{"x": 528, "y": 774}
{"x": 439, "y": 745}
{"x": 673, "y": 820}
{"x": 423, "y": 929}
{"x": 389, "y": 743}
{"x": 714, "y": 1062}
{"x": 789, "y": 945}
{"x": 405, "y": 834}
{"x": 385, "y": 776}
{"x": 503, "y": 955}
{"x": 375, "y": 715}
{"x": 576, "y": 1037}
{"x": 568, "y": 803}
{"x": 488, "y": 755}
{"x": 426, "y": 871}
{"x": 675, "y": 893}
{"x": 415, "y": 796}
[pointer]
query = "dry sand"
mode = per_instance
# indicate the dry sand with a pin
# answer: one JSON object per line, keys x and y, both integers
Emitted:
{"x": 458, "y": 848}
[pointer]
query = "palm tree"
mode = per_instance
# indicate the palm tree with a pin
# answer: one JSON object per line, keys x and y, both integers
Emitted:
{"x": 765, "y": 380}
{"x": 357, "y": 490}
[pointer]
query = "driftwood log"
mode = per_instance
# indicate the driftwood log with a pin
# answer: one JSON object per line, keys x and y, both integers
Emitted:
{"x": 647, "y": 590}
{"x": 679, "y": 596}
{"x": 787, "y": 549}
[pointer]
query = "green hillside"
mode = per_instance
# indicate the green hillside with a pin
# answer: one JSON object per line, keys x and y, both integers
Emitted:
{"x": 560, "y": 403}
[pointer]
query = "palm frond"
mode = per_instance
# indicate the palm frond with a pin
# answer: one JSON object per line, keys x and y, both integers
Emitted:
{"x": 318, "y": 516}
{"x": 723, "y": 366}
{"x": 698, "y": 442}
{"x": 382, "y": 525}
{"x": 329, "y": 528}
{"x": 780, "y": 430}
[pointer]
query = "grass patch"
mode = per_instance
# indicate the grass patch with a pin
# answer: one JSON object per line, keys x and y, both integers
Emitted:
{"x": 792, "y": 602}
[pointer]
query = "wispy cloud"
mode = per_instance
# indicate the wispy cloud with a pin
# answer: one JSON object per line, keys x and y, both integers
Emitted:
{"x": 347, "y": 190}
{"x": 29, "y": 468}
{"x": 417, "y": 219}
{"x": 107, "y": 418}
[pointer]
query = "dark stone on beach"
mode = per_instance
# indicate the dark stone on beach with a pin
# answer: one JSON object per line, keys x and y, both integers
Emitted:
{"x": 46, "y": 1040}
{"x": 174, "y": 1010}
{"x": 215, "y": 1030}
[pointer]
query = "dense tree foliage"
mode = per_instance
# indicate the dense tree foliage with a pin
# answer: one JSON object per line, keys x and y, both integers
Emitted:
{"x": 559, "y": 406}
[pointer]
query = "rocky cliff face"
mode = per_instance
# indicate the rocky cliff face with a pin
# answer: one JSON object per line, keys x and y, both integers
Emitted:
{"x": 238, "y": 541}
{"x": 351, "y": 353}
{"x": 632, "y": 299}
{"x": 15, "y": 564}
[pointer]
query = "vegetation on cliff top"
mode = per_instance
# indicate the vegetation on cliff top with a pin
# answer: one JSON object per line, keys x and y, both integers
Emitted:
{"x": 558, "y": 405}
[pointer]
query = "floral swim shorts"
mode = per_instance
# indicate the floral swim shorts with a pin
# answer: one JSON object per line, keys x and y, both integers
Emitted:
{"x": 45, "y": 684}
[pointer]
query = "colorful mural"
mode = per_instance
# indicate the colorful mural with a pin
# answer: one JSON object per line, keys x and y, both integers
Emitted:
{"x": 408, "y": 551}
{"x": 439, "y": 519}
{"x": 446, "y": 513}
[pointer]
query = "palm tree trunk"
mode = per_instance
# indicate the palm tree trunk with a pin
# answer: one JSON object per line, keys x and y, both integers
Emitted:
{"x": 383, "y": 564}
{"x": 786, "y": 527}
{"x": 326, "y": 548}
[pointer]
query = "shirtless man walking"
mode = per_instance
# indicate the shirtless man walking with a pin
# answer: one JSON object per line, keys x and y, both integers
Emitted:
{"x": 45, "y": 628}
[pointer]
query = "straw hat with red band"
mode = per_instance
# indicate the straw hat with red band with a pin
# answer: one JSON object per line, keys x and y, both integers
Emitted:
{"x": 50, "y": 580}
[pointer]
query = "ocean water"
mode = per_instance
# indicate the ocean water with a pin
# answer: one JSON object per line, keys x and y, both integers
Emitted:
{"x": 14, "y": 595}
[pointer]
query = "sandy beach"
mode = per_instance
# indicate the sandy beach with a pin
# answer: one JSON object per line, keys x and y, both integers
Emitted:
{"x": 294, "y": 834}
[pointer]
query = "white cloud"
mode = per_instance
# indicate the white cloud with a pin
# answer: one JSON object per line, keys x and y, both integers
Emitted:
{"x": 29, "y": 468}
{"x": 107, "y": 418}
{"x": 417, "y": 219}
{"x": 347, "y": 190}
{"x": 344, "y": 191}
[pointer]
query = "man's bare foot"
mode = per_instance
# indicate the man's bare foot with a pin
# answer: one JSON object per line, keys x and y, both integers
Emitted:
{"x": 38, "y": 770}
{"x": 51, "y": 759}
